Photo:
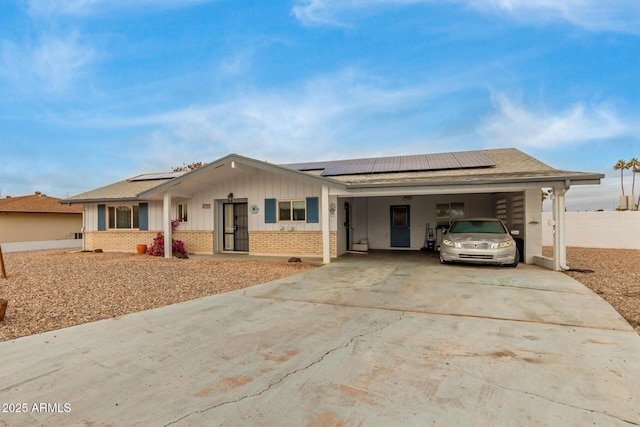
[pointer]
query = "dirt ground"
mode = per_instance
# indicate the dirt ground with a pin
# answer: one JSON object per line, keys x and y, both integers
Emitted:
{"x": 614, "y": 274}
{"x": 49, "y": 290}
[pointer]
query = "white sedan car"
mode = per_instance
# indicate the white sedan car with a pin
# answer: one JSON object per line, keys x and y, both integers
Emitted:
{"x": 479, "y": 240}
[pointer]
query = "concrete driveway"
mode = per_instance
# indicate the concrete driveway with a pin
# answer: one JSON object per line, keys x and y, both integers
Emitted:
{"x": 379, "y": 339}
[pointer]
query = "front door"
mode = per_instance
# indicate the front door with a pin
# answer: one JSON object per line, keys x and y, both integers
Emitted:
{"x": 400, "y": 230}
{"x": 236, "y": 230}
{"x": 347, "y": 224}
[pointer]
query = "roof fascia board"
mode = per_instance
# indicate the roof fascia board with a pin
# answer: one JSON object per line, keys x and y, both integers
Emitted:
{"x": 441, "y": 188}
{"x": 593, "y": 179}
{"x": 85, "y": 201}
{"x": 22, "y": 211}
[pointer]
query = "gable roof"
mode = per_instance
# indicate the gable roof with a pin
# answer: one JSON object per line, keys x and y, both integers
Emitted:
{"x": 235, "y": 161}
{"x": 489, "y": 167}
{"x": 37, "y": 203}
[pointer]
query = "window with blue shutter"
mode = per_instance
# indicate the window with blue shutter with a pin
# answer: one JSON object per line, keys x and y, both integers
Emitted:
{"x": 102, "y": 217}
{"x": 313, "y": 211}
{"x": 269, "y": 211}
{"x": 143, "y": 216}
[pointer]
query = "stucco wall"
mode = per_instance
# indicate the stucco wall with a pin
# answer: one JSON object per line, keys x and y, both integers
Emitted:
{"x": 610, "y": 229}
{"x": 34, "y": 227}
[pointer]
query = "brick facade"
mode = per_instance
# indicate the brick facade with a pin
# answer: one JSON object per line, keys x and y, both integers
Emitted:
{"x": 294, "y": 243}
{"x": 126, "y": 240}
{"x": 117, "y": 240}
{"x": 290, "y": 243}
{"x": 197, "y": 242}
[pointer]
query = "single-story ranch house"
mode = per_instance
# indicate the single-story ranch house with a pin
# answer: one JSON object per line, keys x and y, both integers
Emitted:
{"x": 38, "y": 217}
{"x": 325, "y": 209}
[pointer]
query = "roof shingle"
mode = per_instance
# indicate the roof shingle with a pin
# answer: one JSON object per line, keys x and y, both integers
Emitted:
{"x": 37, "y": 203}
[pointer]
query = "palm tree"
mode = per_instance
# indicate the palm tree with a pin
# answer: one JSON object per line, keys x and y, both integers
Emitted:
{"x": 621, "y": 165}
{"x": 634, "y": 164}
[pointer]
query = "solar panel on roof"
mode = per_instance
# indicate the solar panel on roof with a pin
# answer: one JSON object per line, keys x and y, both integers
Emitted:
{"x": 419, "y": 162}
{"x": 415, "y": 163}
{"x": 154, "y": 176}
{"x": 308, "y": 166}
{"x": 442, "y": 161}
{"x": 472, "y": 159}
{"x": 387, "y": 164}
{"x": 349, "y": 167}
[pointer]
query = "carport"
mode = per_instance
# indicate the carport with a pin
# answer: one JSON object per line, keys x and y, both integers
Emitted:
{"x": 401, "y": 210}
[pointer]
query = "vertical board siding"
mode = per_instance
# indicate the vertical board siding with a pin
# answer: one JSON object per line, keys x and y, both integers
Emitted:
{"x": 254, "y": 188}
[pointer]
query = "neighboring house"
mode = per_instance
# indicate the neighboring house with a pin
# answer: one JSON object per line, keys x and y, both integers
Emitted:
{"x": 37, "y": 218}
{"x": 239, "y": 204}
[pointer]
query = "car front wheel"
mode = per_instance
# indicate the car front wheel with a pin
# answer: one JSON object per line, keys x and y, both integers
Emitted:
{"x": 515, "y": 260}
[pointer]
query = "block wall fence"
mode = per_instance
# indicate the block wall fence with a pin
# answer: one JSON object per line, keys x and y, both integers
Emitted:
{"x": 608, "y": 229}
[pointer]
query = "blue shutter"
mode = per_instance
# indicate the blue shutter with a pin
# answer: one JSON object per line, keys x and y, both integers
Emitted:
{"x": 312, "y": 210}
{"x": 269, "y": 211}
{"x": 143, "y": 216}
{"x": 102, "y": 217}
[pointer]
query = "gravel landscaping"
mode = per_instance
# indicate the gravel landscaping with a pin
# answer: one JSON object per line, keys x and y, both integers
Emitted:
{"x": 49, "y": 290}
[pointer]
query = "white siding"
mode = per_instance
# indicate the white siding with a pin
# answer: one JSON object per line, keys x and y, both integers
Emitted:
{"x": 371, "y": 216}
{"x": 253, "y": 189}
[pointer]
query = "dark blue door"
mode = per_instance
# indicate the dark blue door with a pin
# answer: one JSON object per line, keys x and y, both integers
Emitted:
{"x": 400, "y": 230}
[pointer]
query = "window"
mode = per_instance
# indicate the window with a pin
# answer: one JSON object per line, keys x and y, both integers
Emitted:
{"x": 446, "y": 213}
{"x": 182, "y": 213}
{"x": 123, "y": 217}
{"x": 292, "y": 210}
{"x": 492, "y": 227}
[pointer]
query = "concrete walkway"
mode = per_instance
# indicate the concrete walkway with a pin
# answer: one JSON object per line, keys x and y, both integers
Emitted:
{"x": 372, "y": 339}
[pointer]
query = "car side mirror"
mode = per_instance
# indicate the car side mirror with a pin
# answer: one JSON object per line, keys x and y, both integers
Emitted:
{"x": 515, "y": 232}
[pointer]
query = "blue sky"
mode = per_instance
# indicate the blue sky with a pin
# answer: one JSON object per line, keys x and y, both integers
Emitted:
{"x": 95, "y": 91}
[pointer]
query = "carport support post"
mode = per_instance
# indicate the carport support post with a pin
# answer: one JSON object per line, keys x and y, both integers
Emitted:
{"x": 167, "y": 225}
{"x": 326, "y": 240}
{"x": 559, "y": 244}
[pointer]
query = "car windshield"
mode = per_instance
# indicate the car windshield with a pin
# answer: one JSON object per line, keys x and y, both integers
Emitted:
{"x": 493, "y": 227}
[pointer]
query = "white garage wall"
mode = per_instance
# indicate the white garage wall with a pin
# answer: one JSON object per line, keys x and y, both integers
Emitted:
{"x": 371, "y": 216}
{"x": 611, "y": 229}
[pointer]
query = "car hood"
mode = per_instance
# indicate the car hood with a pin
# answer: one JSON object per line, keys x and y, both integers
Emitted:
{"x": 477, "y": 237}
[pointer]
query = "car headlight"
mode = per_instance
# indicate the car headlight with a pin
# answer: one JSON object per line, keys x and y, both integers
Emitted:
{"x": 447, "y": 242}
{"x": 504, "y": 244}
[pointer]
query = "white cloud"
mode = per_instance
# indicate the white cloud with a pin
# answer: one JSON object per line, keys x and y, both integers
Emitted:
{"x": 514, "y": 124}
{"x": 331, "y": 115}
{"x": 50, "y": 66}
{"x": 593, "y": 15}
{"x": 52, "y": 8}
{"x": 330, "y": 12}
